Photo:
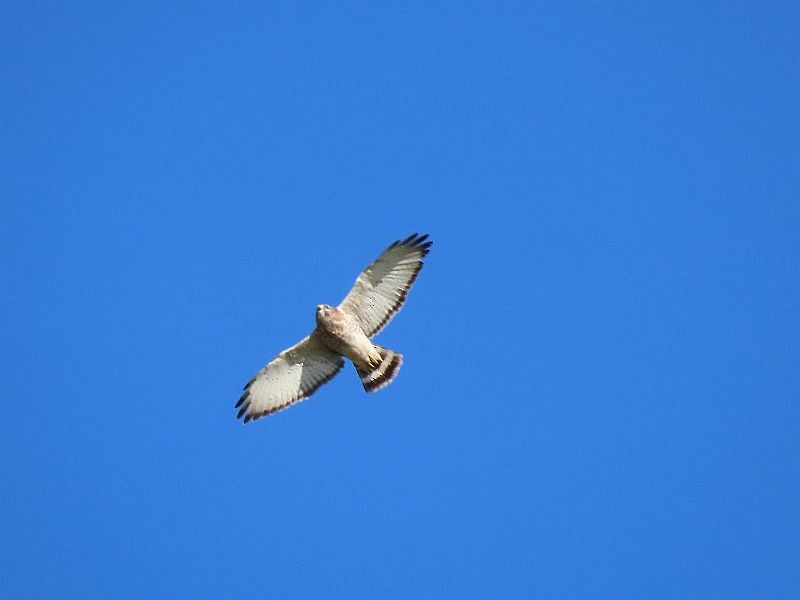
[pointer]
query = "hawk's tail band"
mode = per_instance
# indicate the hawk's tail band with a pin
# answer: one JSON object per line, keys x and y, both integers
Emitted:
{"x": 378, "y": 377}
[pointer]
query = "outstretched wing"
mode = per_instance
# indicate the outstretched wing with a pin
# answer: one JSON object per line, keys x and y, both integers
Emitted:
{"x": 379, "y": 292}
{"x": 293, "y": 375}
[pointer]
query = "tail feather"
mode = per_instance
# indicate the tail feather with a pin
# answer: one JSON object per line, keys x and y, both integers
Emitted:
{"x": 374, "y": 379}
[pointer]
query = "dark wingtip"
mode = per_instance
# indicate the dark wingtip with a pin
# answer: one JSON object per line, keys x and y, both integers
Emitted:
{"x": 415, "y": 240}
{"x": 423, "y": 245}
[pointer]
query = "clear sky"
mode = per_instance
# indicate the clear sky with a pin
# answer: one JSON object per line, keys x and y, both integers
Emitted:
{"x": 600, "y": 390}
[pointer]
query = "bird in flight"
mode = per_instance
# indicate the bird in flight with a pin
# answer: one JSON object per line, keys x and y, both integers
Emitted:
{"x": 342, "y": 331}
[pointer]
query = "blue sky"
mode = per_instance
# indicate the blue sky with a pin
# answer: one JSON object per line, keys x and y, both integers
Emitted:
{"x": 600, "y": 391}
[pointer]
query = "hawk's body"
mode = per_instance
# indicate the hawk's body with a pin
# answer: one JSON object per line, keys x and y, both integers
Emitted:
{"x": 340, "y": 332}
{"x": 378, "y": 294}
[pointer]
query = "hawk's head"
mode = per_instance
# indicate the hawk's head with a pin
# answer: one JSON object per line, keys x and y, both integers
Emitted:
{"x": 324, "y": 312}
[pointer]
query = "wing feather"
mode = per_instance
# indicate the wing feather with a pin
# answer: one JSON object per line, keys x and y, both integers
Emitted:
{"x": 293, "y": 375}
{"x": 381, "y": 289}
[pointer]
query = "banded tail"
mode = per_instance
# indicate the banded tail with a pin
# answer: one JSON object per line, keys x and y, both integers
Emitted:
{"x": 378, "y": 377}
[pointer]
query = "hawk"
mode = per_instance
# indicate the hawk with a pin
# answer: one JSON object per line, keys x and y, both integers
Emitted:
{"x": 342, "y": 331}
